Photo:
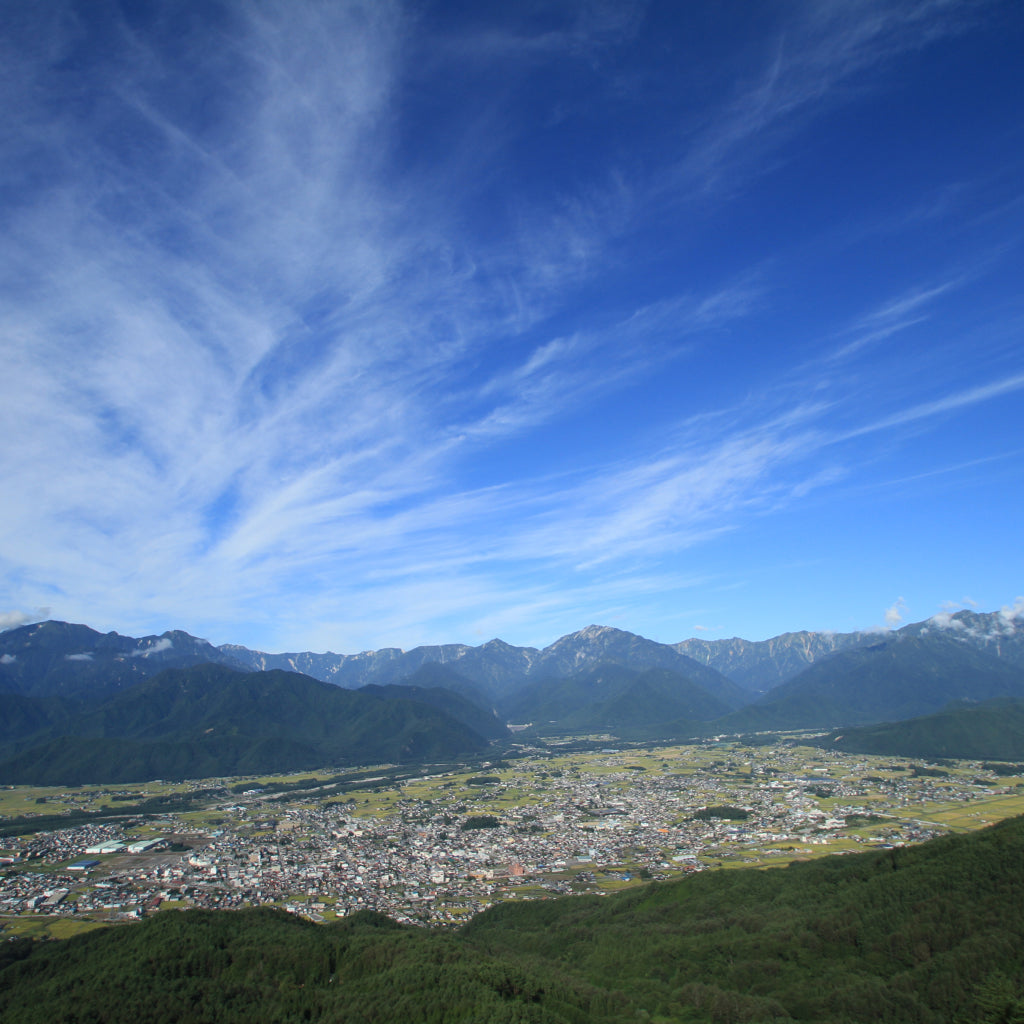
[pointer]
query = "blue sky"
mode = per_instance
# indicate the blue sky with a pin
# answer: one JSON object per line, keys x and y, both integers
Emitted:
{"x": 349, "y": 325}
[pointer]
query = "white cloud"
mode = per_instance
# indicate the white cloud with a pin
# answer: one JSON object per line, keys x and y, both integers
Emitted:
{"x": 84, "y": 656}
{"x": 12, "y": 619}
{"x": 8, "y": 659}
{"x": 1011, "y": 613}
{"x": 163, "y": 644}
{"x": 894, "y": 613}
{"x": 946, "y": 618}
{"x": 875, "y": 631}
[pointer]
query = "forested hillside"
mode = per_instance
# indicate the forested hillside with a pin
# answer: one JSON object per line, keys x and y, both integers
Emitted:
{"x": 929, "y": 934}
{"x": 212, "y": 720}
{"x": 990, "y": 731}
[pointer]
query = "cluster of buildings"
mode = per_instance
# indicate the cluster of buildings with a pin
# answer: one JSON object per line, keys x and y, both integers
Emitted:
{"x": 541, "y": 827}
{"x": 65, "y": 844}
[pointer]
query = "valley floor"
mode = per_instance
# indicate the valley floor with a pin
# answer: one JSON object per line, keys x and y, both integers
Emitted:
{"x": 441, "y": 846}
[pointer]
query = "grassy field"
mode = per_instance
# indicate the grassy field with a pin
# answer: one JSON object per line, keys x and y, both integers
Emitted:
{"x": 41, "y": 927}
{"x": 959, "y": 817}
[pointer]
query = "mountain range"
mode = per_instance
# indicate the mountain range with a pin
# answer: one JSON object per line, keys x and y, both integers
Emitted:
{"x": 496, "y": 668}
{"x": 77, "y": 701}
{"x": 755, "y": 666}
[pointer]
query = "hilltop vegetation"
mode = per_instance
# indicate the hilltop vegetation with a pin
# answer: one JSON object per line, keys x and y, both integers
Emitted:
{"x": 928, "y": 934}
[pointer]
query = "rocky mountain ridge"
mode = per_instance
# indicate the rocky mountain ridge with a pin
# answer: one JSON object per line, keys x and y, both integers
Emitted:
{"x": 55, "y": 677}
{"x": 756, "y": 665}
{"x": 496, "y": 667}
{"x": 59, "y": 659}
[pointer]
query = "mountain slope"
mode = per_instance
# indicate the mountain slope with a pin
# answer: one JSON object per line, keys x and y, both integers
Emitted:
{"x": 845, "y": 679}
{"x": 212, "y": 720}
{"x": 763, "y": 664}
{"x": 999, "y": 634}
{"x": 612, "y": 697}
{"x": 896, "y": 678}
{"x": 603, "y": 645}
{"x": 440, "y": 698}
{"x": 993, "y": 731}
{"x": 65, "y": 659}
{"x": 433, "y": 675}
{"x": 62, "y": 658}
{"x": 494, "y": 666}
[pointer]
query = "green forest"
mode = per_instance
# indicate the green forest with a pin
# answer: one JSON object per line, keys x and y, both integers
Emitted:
{"x": 931, "y": 933}
{"x": 210, "y": 720}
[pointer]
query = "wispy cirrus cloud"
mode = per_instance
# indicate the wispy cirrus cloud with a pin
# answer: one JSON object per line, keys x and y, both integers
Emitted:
{"x": 567, "y": 371}
{"x": 946, "y": 404}
{"x": 813, "y": 63}
{"x": 253, "y": 338}
{"x": 894, "y": 316}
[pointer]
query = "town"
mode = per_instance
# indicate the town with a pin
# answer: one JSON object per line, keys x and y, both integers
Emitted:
{"x": 437, "y": 847}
